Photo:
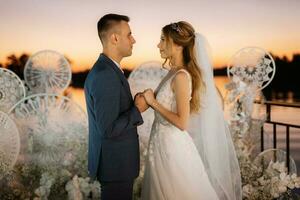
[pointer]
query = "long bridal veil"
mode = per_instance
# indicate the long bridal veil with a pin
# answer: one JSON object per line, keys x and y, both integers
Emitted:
{"x": 211, "y": 134}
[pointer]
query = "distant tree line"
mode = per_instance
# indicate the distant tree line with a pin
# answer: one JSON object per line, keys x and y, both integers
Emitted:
{"x": 287, "y": 76}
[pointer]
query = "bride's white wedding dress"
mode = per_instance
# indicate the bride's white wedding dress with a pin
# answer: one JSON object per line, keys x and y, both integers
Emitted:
{"x": 174, "y": 169}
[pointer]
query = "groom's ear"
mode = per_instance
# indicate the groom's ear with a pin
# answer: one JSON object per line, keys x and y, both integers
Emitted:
{"x": 113, "y": 38}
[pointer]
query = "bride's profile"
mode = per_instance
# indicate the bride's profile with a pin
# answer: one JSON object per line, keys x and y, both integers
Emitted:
{"x": 190, "y": 152}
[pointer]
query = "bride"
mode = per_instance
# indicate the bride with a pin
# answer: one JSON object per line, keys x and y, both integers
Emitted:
{"x": 190, "y": 153}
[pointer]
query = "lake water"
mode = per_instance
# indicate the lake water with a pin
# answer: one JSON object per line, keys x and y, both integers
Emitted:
{"x": 279, "y": 114}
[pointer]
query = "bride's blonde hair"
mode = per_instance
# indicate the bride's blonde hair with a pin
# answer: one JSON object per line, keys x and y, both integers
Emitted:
{"x": 183, "y": 34}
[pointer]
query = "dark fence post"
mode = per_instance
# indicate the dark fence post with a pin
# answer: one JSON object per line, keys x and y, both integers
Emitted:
{"x": 288, "y": 147}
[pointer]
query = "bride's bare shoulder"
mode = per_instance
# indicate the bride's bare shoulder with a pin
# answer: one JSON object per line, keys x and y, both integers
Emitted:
{"x": 181, "y": 79}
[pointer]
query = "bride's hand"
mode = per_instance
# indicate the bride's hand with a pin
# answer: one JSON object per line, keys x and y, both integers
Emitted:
{"x": 149, "y": 96}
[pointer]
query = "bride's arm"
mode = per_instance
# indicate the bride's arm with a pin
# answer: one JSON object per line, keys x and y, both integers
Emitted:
{"x": 181, "y": 90}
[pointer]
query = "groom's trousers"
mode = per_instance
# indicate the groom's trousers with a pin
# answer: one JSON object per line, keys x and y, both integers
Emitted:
{"x": 116, "y": 190}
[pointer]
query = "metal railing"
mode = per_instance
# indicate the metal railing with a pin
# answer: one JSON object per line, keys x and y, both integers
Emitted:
{"x": 288, "y": 126}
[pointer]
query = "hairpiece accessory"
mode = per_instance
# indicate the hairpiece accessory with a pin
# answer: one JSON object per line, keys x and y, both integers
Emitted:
{"x": 176, "y": 27}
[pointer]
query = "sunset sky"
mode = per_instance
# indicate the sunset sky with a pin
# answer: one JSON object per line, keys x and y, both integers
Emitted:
{"x": 69, "y": 26}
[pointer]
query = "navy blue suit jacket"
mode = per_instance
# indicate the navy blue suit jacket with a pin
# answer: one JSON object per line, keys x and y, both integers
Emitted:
{"x": 113, "y": 153}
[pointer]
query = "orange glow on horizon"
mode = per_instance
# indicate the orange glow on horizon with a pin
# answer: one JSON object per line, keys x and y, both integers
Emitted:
{"x": 130, "y": 63}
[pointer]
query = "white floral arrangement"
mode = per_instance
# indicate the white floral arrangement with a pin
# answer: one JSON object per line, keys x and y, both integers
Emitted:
{"x": 4, "y": 166}
{"x": 41, "y": 182}
{"x": 274, "y": 182}
{"x": 82, "y": 188}
{"x": 52, "y": 163}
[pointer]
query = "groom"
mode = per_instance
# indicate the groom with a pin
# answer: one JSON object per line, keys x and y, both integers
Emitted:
{"x": 113, "y": 155}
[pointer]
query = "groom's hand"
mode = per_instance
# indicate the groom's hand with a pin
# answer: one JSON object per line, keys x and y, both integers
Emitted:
{"x": 140, "y": 102}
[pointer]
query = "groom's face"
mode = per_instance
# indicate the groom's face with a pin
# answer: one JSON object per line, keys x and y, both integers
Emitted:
{"x": 125, "y": 39}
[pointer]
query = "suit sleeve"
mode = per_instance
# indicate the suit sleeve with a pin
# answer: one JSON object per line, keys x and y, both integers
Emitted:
{"x": 109, "y": 120}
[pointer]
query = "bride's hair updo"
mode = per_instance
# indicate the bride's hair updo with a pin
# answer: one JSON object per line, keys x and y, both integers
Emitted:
{"x": 183, "y": 34}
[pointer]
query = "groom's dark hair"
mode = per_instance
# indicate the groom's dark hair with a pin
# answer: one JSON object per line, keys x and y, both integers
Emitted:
{"x": 107, "y": 22}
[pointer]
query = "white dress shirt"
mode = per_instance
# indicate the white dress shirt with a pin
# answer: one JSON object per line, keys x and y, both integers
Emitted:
{"x": 118, "y": 65}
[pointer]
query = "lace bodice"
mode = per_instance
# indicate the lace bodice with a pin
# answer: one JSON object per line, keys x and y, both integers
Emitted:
{"x": 166, "y": 97}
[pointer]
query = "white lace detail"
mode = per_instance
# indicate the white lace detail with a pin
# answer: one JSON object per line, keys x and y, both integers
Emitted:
{"x": 166, "y": 97}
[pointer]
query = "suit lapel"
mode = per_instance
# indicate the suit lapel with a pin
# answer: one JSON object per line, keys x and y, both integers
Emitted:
{"x": 118, "y": 72}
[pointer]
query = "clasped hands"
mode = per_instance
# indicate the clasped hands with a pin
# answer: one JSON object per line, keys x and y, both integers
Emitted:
{"x": 143, "y": 100}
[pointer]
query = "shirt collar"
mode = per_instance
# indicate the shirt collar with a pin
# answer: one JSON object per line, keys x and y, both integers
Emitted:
{"x": 117, "y": 65}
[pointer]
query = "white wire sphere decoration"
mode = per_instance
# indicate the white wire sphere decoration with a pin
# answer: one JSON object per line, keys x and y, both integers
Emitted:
{"x": 47, "y": 71}
{"x": 12, "y": 89}
{"x": 147, "y": 75}
{"x": 53, "y": 130}
{"x": 264, "y": 158}
{"x": 9, "y": 144}
{"x": 252, "y": 65}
